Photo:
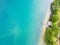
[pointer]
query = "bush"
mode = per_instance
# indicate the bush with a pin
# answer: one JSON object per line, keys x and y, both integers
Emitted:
{"x": 54, "y": 18}
{"x": 51, "y": 35}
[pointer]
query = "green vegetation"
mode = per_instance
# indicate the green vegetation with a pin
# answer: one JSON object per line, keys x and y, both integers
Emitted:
{"x": 51, "y": 34}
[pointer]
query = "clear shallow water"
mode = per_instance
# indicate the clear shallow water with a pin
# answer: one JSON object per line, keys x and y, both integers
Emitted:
{"x": 20, "y": 21}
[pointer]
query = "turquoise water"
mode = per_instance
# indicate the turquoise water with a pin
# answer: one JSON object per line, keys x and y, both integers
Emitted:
{"x": 20, "y": 21}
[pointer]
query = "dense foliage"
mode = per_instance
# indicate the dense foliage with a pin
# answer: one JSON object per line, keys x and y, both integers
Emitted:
{"x": 51, "y": 34}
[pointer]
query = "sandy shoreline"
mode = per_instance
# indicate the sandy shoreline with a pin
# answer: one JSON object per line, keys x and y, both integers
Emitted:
{"x": 46, "y": 19}
{"x": 41, "y": 40}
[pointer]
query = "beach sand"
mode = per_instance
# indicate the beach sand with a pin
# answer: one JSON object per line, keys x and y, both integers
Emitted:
{"x": 41, "y": 40}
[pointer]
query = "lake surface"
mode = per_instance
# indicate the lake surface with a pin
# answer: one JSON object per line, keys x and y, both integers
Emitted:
{"x": 21, "y": 21}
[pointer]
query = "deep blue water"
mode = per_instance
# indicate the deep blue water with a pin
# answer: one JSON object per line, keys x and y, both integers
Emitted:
{"x": 20, "y": 21}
